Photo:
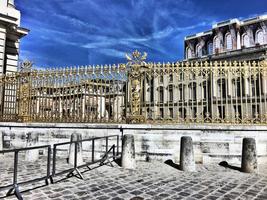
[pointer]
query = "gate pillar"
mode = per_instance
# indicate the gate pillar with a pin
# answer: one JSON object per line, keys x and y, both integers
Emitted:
{"x": 24, "y": 92}
{"x": 137, "y": 67}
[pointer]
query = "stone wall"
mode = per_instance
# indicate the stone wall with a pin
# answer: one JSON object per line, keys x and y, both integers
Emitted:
{"x": 212, "y": 143}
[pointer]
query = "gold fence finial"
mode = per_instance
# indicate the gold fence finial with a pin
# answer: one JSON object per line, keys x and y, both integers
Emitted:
{"x": 26, "y": 66}
{"x": 136, "y": 58}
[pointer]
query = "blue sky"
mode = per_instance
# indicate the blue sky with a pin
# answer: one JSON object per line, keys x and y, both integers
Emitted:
{"x": 82, "y": 32}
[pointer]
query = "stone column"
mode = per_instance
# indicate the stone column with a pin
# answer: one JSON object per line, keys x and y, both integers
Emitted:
{"x": 238, "y": 42}
{"x": 60, "y": 108}
{"x": 215, "y": 85}
{"x": 75, "y": 137}
{"x": 83, "y": 107}
{"x": 249, "y": 155}
{"x": 32, "y": 155}
{"x": 128, "y": 152}
{"x": 264, "y": 84}
{"x": 229, "y": 84}
{"x": 187, "y": 160}
{"x": 246, "y": 85}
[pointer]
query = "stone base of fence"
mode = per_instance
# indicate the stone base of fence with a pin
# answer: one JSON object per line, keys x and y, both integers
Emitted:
{"x": 212, "y": 143}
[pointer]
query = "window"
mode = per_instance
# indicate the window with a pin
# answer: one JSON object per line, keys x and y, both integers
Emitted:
{"x": 171, "y": 112}
{"x": 199, "y": 51}
{"x": 182, "y": 113}
{"x": 152, "y": 91}
{"x": 161, "y": 95}
{"x": 255, "y": 111}
{"x": 221, "y": 88}
{"x": 181, "y": 76}
{"x": 181, "y": 92}
{"x": 238, "y": 112}
{"x": 194, "y": 112}
{"x": 188, "y": 53}
{"x": 204, "y": 90}
{"x": 210, "y": 48}
{"x": 221, "y": 110}
{"x": 236, "y": 88}
{"x": 161, "y": 79}
{"x": 161, "y": 113}
{"x": 246, "y": 42}
{"x": 255, "y": 89}
{"x": 229, "y": 43}
{"x": 170, "y": 93}
{"x": 260, "y": 37}
{"x": 193, "y": 91}
{"x": 171, "y": 78}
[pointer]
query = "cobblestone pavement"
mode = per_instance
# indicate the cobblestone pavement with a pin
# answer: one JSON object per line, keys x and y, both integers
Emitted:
{"x": 152, "y": 180}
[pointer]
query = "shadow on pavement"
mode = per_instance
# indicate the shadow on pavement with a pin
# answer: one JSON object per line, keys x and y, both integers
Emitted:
{"x": 226, "y": 165}
{"x": 172, "y": 164}
{"x": 118, "y": 161}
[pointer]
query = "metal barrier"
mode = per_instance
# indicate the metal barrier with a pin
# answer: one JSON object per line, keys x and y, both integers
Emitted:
{"x": 15, "y": 185}
{"x": 93, "y": 161}
{"x": 114, "y": 150}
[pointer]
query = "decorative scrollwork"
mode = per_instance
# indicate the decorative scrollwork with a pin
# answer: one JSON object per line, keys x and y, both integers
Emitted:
{"x": 137, "y": 64}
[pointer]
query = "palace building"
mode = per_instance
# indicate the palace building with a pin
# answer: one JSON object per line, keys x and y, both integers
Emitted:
{"x": 10, "y": 34}
{"x": 229, "y": 40}
{"x": 222, "y": 79}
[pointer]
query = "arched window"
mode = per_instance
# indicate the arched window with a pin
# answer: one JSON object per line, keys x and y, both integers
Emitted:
{"x": 188, "y": 53}
{"x": 161, "y": 94}
{"x": 229, "y": 42}
{"x": 198, "y": 51}
{"x": 245, "y": 39}
{"x": 193, "y": 91}
{"x": 210, "y": 48}
{"x": 221, "y": 84}
{"x": 260, "y": 37}
{"x": 181, "y": 92}
{"x": 170, "y": 93}
{"x": 216, "y": 44}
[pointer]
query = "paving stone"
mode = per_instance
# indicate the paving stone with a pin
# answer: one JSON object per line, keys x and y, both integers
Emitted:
{"x": 153, "y": 181}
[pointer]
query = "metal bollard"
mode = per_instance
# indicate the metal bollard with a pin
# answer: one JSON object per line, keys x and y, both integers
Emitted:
{"x": 74, "y": 138}
{"x": 249, "y": 155}
{"x": 128, "y": 152}
{"x": 187, "y": 160}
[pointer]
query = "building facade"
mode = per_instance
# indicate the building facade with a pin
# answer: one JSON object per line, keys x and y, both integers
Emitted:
{"x": 89, "y": 101}
{"x": 10, "y": 34}
{"x": 229, "y": 40}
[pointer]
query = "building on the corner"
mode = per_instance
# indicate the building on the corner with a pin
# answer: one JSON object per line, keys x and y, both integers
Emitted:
{"x": 10, "y": 34}
{"x": 229, "y": 40}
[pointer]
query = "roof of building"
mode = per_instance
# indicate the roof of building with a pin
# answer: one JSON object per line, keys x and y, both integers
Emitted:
{"x": 227, "y": 23}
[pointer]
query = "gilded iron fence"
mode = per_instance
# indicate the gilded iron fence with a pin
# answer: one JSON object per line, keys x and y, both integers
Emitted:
{"x": 93, "y": 94}
{"x": 203, "y": 92}
{"x": 139, "y": 92}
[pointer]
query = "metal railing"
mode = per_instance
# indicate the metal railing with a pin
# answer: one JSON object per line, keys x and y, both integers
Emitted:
{"x": 113, "y": 149}
{"x": 93, "y": 161}
{"x": 15, "y": 184}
